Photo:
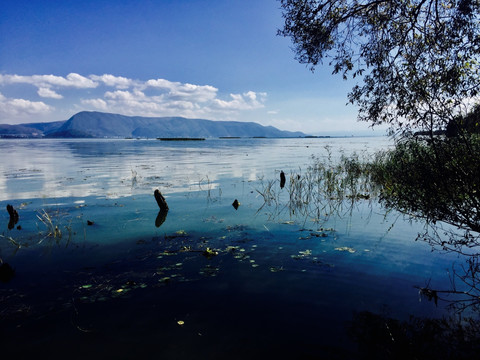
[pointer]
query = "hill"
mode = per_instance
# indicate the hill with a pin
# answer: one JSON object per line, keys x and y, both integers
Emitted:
{"x": 101, "y": 125}
{"x": 32, "y": 130}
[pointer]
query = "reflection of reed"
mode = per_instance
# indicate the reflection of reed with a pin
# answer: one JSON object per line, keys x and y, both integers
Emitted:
{"x": 325, "y": 189}
{"x": 330, "y": 188}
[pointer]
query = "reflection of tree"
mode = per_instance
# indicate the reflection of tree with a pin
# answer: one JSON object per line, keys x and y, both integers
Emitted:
{"x": 434, "y": 180}
{"x": 381, "y": 337}
{"x": 464, "y": 292}
{"x": 438, "y": 180}
{"x": 415, "y": 62}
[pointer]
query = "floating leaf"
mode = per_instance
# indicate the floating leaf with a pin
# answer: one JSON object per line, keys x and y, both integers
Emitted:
{"x": 346, "y": 248}
{"x": 306, "y": 252}
{"x": 208, "y": 253}
{"x": 232, "y": 248}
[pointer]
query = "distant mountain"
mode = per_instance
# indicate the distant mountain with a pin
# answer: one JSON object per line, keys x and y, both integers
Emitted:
{"x": 29, "y": 130}
{"x": 100, "y": 125}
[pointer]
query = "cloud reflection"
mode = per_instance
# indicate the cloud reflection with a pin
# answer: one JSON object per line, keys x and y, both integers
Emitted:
{"x": 117, "y": 168}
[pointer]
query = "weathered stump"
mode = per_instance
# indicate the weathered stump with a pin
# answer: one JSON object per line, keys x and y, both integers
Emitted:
{"x": 282, "y": 180}
{"x": 162, "y": 203}
{"x": 13, "y": 217}
{"x": 236, "y": 204}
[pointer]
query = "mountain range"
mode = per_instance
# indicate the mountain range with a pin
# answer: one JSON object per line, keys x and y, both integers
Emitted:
{"x": 91, "y": 124}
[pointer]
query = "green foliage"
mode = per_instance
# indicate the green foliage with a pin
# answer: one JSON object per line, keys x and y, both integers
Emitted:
{"x": 419, "y": 58}
{"x": 469, "y": 123}
{"x": 437, "y": 180}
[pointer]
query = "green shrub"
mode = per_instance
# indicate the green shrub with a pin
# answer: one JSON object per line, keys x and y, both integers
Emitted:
{"x": 436, "y": 179}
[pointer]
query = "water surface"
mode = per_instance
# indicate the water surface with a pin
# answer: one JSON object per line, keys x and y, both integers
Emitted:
{"x": 98, "y": 269}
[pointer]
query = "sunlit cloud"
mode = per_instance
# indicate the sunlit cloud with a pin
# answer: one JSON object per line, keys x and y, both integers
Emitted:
{"x": 96, "y": 103}
{"x": 118, "y": 82}
{"x": 18, "y": 107}
{"x": 179, "y": 103}
{"x": 126, "y": 96}
{"x": 247, "y": 101}
{"x": 176, "y": 90}
{"x": 117, "y": 94}
{"x": 45, "y": 81}
{"x": 168, "y": 98}
{"x": 48, "y": 93}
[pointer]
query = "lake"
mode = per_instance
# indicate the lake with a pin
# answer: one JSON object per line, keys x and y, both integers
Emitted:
{"x": 101, "y": 273}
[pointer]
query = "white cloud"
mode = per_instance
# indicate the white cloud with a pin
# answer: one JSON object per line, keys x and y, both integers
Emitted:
{"x": 154, "y": 97}
{"x": 17, "y": 108}
{"x": 96, "y": 103}
{"x": 187, "y": 100}
{"x": 48, "y": 93}
{"x": 177, "y": 90}
{"x": 161, "y": 83}
{"x": 71, "y": 80}
{"x": 121, "y": 95}
{"x": 118, "y": 82}
{"x": 246, "y": 101}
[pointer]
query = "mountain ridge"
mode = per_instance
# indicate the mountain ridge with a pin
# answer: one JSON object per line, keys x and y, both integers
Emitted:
{"x": 94, "y": 124}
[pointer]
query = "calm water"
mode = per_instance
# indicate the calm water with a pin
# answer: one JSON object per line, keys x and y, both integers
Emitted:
{"x": 100, "y": 273}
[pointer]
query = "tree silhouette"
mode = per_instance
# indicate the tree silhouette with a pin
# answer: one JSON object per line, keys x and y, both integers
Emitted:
{"x": 418, "y": 59}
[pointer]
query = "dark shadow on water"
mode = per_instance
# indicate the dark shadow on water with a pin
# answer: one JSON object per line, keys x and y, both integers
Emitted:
{"x": 161, "y": 217}
{"x": 381, "y": 337}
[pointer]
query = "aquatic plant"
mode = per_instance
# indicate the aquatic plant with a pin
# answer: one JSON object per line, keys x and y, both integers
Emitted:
{"x": 52, "y": 230}
{"x": 431, "y": 180}
{"x": 326, "y": 188}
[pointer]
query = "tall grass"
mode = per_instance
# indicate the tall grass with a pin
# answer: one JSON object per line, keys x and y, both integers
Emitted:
{"x": 326, "y": 187}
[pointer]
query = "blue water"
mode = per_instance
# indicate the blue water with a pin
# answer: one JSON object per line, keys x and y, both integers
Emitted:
{"x": 210, "y": 281}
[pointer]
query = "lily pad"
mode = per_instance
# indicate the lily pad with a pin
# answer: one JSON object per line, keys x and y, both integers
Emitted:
{"x": 346, "y": 248}
{"x": 208, "y": 253}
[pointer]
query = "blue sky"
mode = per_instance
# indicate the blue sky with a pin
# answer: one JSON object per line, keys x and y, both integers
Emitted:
{"x": 215, "y": 59}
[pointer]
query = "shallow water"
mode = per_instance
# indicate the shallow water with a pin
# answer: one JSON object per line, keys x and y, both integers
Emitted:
{"x": 118, "y": 279}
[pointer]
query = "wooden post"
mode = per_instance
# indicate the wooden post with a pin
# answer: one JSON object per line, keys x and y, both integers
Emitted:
{"x": 13, "y": 217}
{"x": 236, "y": 204}
{"x": 282, "y": 180}
{"x": 162, "y": 204}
